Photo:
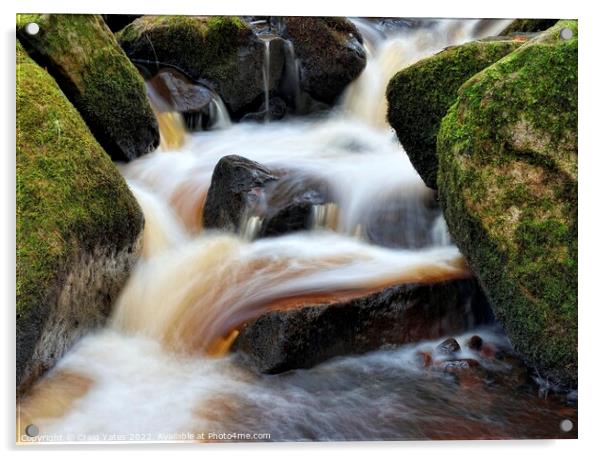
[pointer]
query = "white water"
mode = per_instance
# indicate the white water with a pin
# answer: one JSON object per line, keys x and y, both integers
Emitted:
{"x": 191, "y": 289}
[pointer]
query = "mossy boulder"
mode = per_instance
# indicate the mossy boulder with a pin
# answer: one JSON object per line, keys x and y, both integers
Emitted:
{"x": 220, "y": 51}
{"x": 420, "y": 95}
{"x": 528, "y": 25}
{"x": 508, "y": 187}
{"x": 78, "y": 225}
{"x": 83, "y": 56}
{"x": 330, "y": 54}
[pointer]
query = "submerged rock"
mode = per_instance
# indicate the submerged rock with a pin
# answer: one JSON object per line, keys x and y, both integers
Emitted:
{"x": 221, "y": 51}
{"x": 303, "y": 337}
{"x": 420, "y": 95}
{"x": 508, "y": 187}
{"x": 330, "y": 54}
{"x": 528, "y": 25}
{"x": 81, "y": 53}
{"x": 78, "y": 225}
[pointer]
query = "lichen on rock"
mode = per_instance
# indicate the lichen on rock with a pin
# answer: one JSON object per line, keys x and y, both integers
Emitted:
{"x": 78, "y": 225}
{"x": 508, "y": 186}
{"x": 81, "y": 53}
{"x": 420, "y": 95}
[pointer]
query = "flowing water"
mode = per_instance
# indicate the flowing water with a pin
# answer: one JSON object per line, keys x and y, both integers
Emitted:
{"x": 160, "y": 370}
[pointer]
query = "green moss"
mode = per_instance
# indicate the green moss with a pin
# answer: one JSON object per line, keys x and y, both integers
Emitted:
{"x": 204, "y": 47}
{"x": 70, "y": 197}
{"x": 92, "y": 70}
{"x": 508, "y": 186}
{"x": 420, "y": 95}
{"x": 528, "y": 25}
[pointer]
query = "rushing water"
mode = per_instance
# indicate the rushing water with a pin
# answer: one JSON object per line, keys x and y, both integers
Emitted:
{"x": 149, "y": 376}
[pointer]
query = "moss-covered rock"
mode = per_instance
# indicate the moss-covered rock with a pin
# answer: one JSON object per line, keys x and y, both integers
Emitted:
{"x": 508, "y": 187}
{"x": 330, "y": 53}
{"x": 528, "y": 25}
{"x": 78, "y": 225}
{"x": 420, "y": 95}
{"x": 220, "y": 51}
{"x": 81, "y": 53}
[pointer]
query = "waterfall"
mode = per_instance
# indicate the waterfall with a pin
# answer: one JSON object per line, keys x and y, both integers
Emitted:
{"x": 390, "y": 50}
{"x": 149, "y": 371}
{"x": 266, "y": 39}
{"x": 291, "y": 74}
{"x": 218, "y": 113}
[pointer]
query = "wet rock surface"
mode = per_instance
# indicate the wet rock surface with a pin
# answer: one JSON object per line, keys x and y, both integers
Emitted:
{"x": 301, "y": 338}
{"x": 177, "y": 93}
{"x": 244, "y": 193}
{"x": 330, "y": 53}
{"x": 236, "y": 183}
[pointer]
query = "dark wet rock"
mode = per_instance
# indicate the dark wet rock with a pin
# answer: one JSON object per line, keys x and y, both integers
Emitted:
{"x": 475, "y": 343}
{"x": 116, "y": 22}
{"x": 454, "y": 366}
{"x": 236, "y": 184}
{"x": 241, "y": 189}
{"x": 221, "y": 52}
{"x": 78, "y": 226}
{"x": 420, "y": 95}
{"x": 448, "y": 347}
{"x": 528, "y": 25}
{"x": 508, "y": 160}
{"x": 81, "y": 53}
{"x": 301, "y": 338}
{"x": 330, "y": 52}
{"x": 290, "y": 203}
{"x": 177, "y": 93}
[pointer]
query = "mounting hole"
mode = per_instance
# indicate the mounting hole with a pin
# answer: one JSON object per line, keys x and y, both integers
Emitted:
{"x": 566, "y": 33}
{"x": 32, "y": 28}
{"x": 566, "y": 425}
{"x": 32, "y": 430}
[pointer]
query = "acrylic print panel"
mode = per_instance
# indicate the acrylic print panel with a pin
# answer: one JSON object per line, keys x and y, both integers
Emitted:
{"x": 295, "y": 228}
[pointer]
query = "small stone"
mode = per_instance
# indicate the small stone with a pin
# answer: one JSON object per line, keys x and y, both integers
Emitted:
{"x": 449, "y": 346}
{"x": 475, "y": 343}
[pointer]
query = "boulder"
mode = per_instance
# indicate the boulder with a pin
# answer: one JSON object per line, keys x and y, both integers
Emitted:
{"x": 420, "y": 95}
{"x": 528, "y": 25}
{"x": 78, "y": 225}
{"x": 236, "y": 184}
{"x": 219, "y": 51}
{"x": 241, "y": 189}
{"x": 507, "y": 182}
{"x": 303, "y": 337}
{"x": 330, "y": 54}
{"x": 81, "y": 53}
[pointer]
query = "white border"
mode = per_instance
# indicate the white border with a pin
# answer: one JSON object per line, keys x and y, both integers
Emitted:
{"x": 590, "y": 169}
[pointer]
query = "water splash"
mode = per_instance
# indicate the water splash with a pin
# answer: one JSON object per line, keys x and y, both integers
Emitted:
{"x": 392, "y": 49}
